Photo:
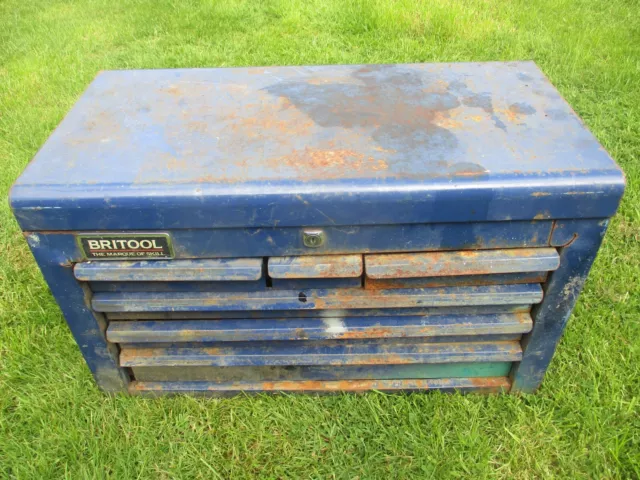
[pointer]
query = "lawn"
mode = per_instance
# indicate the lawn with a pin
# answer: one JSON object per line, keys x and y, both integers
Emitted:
{"x": 584, "y": 421}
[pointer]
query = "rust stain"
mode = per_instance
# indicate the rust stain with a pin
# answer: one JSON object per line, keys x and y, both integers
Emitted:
{"x": 187, "y": 335}
{"x": 374, "y": 332}
{"x": 446, "y": 121}
{"x": 133, "y": 353}
{"x": 266, "y": 120}
{"x": 510, "y": 114}
{"x": 397, "y": 108}
{"x": 516, "y": 112}
{"x": 523, "y": 317}
{"x": 339, "y": 163}
{"x": 384, "y": 359}
{"x": 263, "y": 122}
{"x": 301, "y": 334}
{"x": 540, "y": 194}
{"x": 522, "y": 109}
{"x": 439, "y": 264}
{"x": 461, "y": 281}
{"x": 175, "y": 164}
{"x": 321, "y": 266}
{"x": 481, "y": 383}
{"x": 103, "y": 127}
{"x": 491, "y": 382}
{"x": 317, "y": 81}
{"x": 385, "y": 150}
{"x": 469, "y": 173}
{"x": 172, "y": 90}
{"x": 207, "y": 179}
{"x": 398, "y": 112}
{"x": 197, "y": 126}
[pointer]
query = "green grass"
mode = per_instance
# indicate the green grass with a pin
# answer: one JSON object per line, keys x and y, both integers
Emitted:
{"x": 585, "y": 420}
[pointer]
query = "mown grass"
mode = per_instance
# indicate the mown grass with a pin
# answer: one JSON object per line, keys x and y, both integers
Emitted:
{"x": 585, "y": 420}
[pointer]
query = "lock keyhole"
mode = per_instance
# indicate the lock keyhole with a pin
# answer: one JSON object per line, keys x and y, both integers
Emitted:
{"x": 313, "y": 238}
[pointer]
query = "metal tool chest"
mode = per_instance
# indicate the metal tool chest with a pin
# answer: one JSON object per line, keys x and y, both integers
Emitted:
{"x": 318, "y": 229}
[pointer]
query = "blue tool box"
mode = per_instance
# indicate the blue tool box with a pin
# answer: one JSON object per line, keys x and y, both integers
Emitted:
{"x": 318, "y": 229}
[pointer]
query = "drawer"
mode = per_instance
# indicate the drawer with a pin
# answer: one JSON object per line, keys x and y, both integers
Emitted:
{"x": 203, "y": 270}
{"x": 469, "y": 262}
{"x": 239, "y": 274}
{"x": 313, "y": 272}
{"x": 396, "y": 320}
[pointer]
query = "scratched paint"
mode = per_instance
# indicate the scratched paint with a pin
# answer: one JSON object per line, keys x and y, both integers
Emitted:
{"x": 183, "y": 286}
{"x": 211, "y": 269}
{"x": 350, "y": 341}
{"x": 479, "y": 385}
{"x": 562, "y": 291}
{"x": 458, "y": 280}
{"x": 308, "y": 353}
{"x": 316, "y": 283}
{"x": 329, "y": 327}
{"x": 477, "y": 262}
{"x": 317, "y": 299}
{"x": 395, "y": 236}
{"x": 317, "y": 266}
{"x": 361, "y": 312}
{"x": 316, "y": 146}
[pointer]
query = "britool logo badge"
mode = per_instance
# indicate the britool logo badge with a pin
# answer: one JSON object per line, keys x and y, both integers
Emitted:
{"x": 120, "y": 246}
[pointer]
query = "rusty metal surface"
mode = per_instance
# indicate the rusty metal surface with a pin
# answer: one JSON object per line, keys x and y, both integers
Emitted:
{"x": 324, "y": 145}
{"x": 372, "y": 352}
{"x": 350, "y": 342}
{"x": 315, "y": 266}
{"x": 317, "y": 299}
{"x": 250, "y": 242}
{"x": 459, "y": 280}
{"x": 276, "y": 241}
{"x": 561, "y": 293}
{"x": 478, "y": 385}
{"x": 206, "y": 270}
{"x": 215, "y": 286}
{"x": 52, "y": 253}
{"x": 343, "y": 312}
{"x": 316, "y": 283}
{"x": 236, "y": 330}
{"x": 470, "y": 262}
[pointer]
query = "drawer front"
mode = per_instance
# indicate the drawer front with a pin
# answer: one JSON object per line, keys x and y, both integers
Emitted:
{"x": 451, "y": 264}
{"x": 410, "y": 321}
{"x": 206, "y": 270}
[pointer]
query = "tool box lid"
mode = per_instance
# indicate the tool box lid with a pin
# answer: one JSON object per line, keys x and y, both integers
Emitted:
{"x": 322, "y": 145}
